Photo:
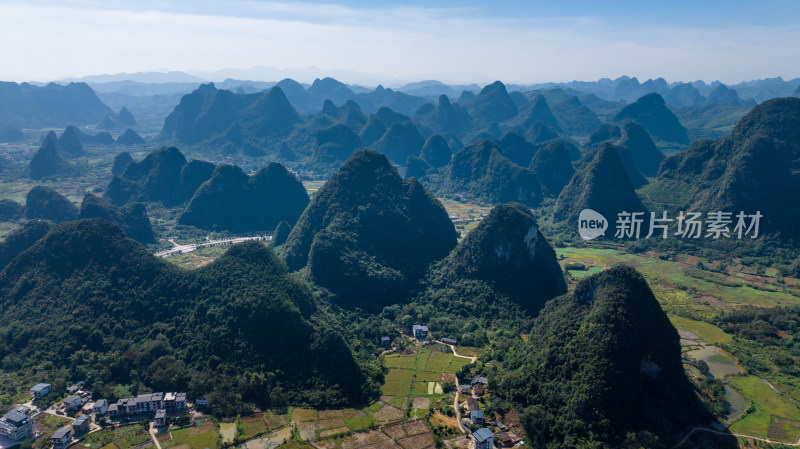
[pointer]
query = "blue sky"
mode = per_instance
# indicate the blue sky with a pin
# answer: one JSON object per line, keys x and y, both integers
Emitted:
{"x": 456, "y": 41}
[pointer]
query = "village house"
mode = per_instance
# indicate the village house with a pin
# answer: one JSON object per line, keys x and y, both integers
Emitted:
{"x": 465, "y": 389}
{"x": 505, "y": 439}
{"x": 479, "y": 384}
{"x": 476, "y": 416}
{"x": 484, "y": 439}
{"x": 472, "y": 404}
{"x": 449, "y": 341}
{"x": 62, "y": 438}
{"x": 100, "y": 407}
{"x": 72, "y": 402}
{"x": 41, "y": 390}
{"x": 81, "y": 425}
{"x": 420, "y": 332}
{"x": 202, "y": 401}
{"x": 386, "y": 342}
{"x": 149, "y": 404}
{"x": 17, "y": 426}
{"x": 160, "y": 419}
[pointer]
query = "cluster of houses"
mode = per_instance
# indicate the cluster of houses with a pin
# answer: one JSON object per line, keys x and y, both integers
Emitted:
{"x": 156, "y": 405}
{"x": 485, "y": 437}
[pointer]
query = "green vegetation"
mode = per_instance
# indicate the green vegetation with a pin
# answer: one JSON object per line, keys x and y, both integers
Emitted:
{"x": 765, "y": 404}
{"x": 130, "y": 436}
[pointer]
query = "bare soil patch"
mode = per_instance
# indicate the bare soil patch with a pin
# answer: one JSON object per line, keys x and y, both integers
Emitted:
{"x": 388, "y": 414}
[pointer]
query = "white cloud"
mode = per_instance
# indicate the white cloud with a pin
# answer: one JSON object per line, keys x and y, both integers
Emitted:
{"x": 43, "y": 42}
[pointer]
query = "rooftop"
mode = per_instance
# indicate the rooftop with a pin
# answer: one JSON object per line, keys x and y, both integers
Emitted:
{"x": 420, "y": 327}
{"x": 61, "y": 433}
{"x": 40, "y": 387}
{"x": 482, "y": 435}
{"x": 476, "y": 414}
{"x": 101, "y": 403}
{"x": 72, "y": 398}
{"x": 15, "y": 417}
{"x": 80, "y": 420}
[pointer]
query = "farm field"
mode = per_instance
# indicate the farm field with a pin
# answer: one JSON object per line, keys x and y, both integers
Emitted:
{"x": 47, "y": 425}
{"x": 195, "y": 437}
{"x": 680, "y": 286}
{"x": 773, "y": 417}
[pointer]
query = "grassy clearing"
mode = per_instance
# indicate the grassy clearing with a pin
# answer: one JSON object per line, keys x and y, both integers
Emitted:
{"x": 766, "y": 403}
{"x": 195, "y": 437}
{"x": 362, "y": 423}
{"x": 130, "y": 436}
{"x": 46, "y": 425}
{"x": 99, "y": 439}
{"x": 706, "y": 331}
{"x": 399, "y": 361}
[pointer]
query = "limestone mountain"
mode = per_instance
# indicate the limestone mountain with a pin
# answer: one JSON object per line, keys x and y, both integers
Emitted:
{"x": 517, "y": 149}
{"x": 233, "y": 201}
{"x": 445, "y": 117}
{"x": 125, "y": 117}
{"x": 209, "y": 112}
{"x": 21, "y": 239}
{"x": 491, "y": 104}
{"x": 121, "y": 161}
{"x": 553, "y": 167}
{"x": 651, "y": 112}
{"x": 508, "y": 252}
{"x": 646, "y": 156}
{"x": 601, "y": 185}
{"x": 574, "y": 118}
{"x": 69, "y": 143}
{"x": 373, "y": 130}
{"x": 603, "y": 363}
{"x": 46, "y": 162}
{"x": 342, "y": 234}
{"x": 9, "y": 210}
{"x": 159, "y": 177}
{"x": 330, "y": 89}
{"x": 88, "y": 271}
{"x": 754, "y": 168}
{"x": 400, "y": 141}
{"x": 683, "y": 95}
{"x": 481, "y": 172}
{"x": 54, "y": 105}
{"x": 635, "y": 175}
{"x": 132, "y": 218}
{"x": 130, "y": 138}
{"x": 540, "y": 132}
{"x": 538, "y": 111}
{"x": 281, "y": 233}
{"x": 46, "y": 204}
{"x": 606, "y": 131}
{"x": 417, "y": 167}
{"x": 435, "y": 152}
{"x": 723, "y": 94}
{"x": 336, "y": 143}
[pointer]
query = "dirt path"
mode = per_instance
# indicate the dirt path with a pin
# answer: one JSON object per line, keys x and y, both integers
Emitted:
{"x": 717, "y": 432}
{"x": 788, "y": 398}
{"x": 153, "y": 435}
{"x": 458, "y": 388}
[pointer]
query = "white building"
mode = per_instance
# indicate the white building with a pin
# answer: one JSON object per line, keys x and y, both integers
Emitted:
{"x": 41, "y": 390}
{"x": 100, "y": 407}
{"x": 420, "y": 332}
{"x": 62, "y": 437}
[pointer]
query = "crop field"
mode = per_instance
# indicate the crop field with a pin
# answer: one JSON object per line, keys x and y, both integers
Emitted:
{"x": 196, "y": 437}
{"x": 130, "y": 436}
{"x": 47, "y": 425}
{"x": 773, "y": 415}
{"x": 680, "y": 285}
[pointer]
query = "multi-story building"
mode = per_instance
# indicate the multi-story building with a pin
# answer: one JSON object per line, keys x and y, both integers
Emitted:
{"x": 62, "y": 438}
{"x": 81, "y": 425}
{"x": 484, "y": 439}
{"x": 100, "y": 407}
{"x": 420, "y": 332}
{"x": 17, "y": 426}
{"x": 41, "y": 390}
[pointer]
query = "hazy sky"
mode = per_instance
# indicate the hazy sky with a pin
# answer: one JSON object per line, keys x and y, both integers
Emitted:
{"x": 456, "y": 41}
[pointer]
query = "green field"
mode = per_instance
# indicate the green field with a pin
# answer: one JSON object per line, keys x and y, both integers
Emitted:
{"x": 706, "y": 331}
{"x": 766, "y": 403}
{"x": 195, "y": 437}
{"x": 130, "y": 436}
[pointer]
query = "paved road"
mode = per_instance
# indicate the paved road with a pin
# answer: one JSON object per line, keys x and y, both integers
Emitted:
{"x": 180, "y": 249}
{"x": 153, "y": 432}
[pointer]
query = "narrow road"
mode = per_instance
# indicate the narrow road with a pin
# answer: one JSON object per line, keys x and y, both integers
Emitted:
{"x": 458, "y": 387}
{"x": 153, "y": 435}
{"x": 717, "y": 432}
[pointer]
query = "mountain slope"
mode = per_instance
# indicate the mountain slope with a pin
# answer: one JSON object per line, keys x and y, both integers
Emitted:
{"x": 233, "y": 201}
{"x": 46, "y": 162}
{"x": 341, "y": 236}
{"x": 87, "y": 271}
{"x": 132, "y": 218}
{"x": 481, "y": 171}
{"x": 602, "y": 363}
{"x": 508, "y": 252}
{"x": 651, "y": 112}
